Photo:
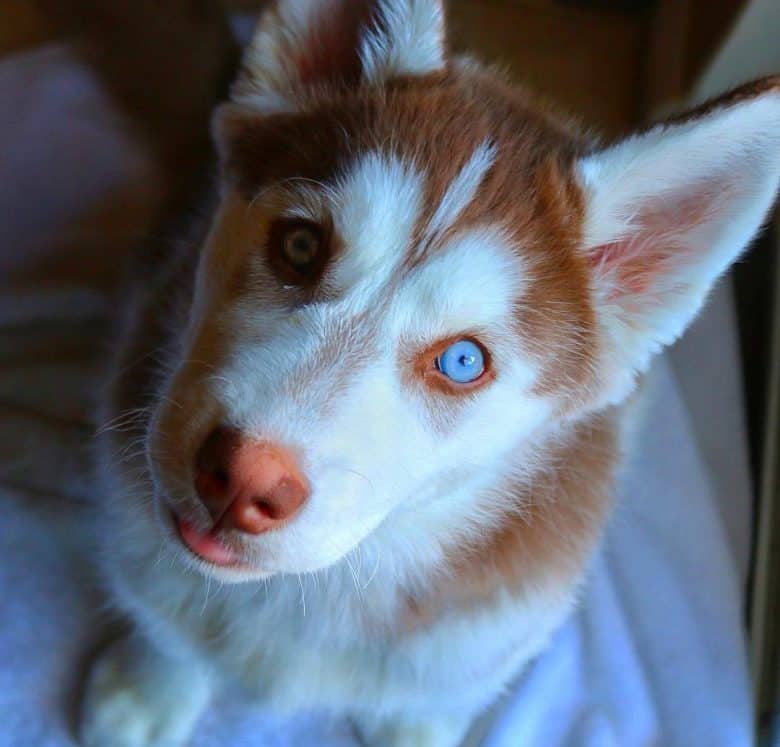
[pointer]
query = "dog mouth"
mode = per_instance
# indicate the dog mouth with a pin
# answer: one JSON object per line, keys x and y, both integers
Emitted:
{"x": 207, "y": 546}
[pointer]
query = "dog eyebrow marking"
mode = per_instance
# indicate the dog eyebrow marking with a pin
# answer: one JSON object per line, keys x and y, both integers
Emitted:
{"x": 377, "y": 203}
{"x": 461, "y": 190}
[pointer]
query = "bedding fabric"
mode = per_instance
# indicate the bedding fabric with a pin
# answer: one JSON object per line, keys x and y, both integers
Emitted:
{"x": 655, "y": 653}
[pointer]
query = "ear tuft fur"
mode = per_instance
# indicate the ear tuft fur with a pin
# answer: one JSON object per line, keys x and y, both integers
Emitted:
{"x": 301, "y": 46}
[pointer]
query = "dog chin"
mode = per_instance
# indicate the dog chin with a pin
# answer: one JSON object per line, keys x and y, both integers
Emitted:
{"x": 238, "y": 574}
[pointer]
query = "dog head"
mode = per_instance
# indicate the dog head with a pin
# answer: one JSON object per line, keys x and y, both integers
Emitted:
{"x": 416, "y": 276}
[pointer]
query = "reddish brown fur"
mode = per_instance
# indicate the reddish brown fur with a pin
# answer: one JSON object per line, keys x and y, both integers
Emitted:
{"x": 559, "y": 515}
{"x": 737, "y": 95}
{"x": 547, "y": 534}
{"x": 330, "y": 53}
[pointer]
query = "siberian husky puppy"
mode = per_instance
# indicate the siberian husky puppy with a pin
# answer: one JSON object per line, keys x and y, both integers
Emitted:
{"x": 373, "y": 413}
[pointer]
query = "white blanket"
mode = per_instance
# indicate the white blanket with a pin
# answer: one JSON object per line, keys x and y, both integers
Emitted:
{"x": 654, "y": 655}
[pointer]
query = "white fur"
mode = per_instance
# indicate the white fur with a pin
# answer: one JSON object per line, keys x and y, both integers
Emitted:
{"x": 470, "y": 283}
{"x": 729, "y": 163}
{"x": 138, "y": 698}
{"x": 411, "y": 41}
{"x": 374, "y": 209}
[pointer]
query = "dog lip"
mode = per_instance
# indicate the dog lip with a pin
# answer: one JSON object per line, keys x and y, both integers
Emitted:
{"x": 205, "y": 545}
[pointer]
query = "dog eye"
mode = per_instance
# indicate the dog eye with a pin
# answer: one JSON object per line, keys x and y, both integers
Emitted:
{"x": 462, "y": 362}
{"x": 296, "y": 249}
{"x": 300, "y": 246}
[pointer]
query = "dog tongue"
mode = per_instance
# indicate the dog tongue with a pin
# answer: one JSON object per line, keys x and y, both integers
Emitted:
{"x": 207, "y": 546}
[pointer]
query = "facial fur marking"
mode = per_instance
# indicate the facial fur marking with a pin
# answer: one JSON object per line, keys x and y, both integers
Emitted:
{"x": 376, "y": 206}
{"x": 461, "y": 190}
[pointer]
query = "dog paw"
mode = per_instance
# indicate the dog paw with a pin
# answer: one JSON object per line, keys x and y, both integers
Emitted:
{"x": 402, "y": 733}
{"x": 127, "y": 705}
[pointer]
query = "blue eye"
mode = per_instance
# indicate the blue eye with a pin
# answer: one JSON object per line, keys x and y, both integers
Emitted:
{"x": 462, "y": 362}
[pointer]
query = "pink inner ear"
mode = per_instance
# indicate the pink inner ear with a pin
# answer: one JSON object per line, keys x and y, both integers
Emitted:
{"x": 330, "y": 51}
{"x": 660, "y": 245}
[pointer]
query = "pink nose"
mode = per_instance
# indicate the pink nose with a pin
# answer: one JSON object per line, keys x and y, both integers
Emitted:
{"x": 251, "y": 486}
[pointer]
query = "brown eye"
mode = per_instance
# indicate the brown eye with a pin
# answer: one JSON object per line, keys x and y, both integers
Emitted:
{"x": 300, "y": 246}
{"x": 296, "y": 249}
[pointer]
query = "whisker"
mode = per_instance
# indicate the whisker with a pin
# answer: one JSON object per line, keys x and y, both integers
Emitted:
{"x": 303, "y": 594}
{"x": 376, "y": 569}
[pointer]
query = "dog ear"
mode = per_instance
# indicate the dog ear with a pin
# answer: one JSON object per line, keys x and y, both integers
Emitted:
{"x": 669, "y": 210}
{"x": 303, "y": 45}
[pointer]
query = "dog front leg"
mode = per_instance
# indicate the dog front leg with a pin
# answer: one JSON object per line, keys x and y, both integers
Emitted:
{"x": 438, "y": 731}
{"x": 136, "y": 696}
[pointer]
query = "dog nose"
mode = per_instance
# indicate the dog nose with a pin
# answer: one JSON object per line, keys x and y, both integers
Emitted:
{"x": 248, "y": 485}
